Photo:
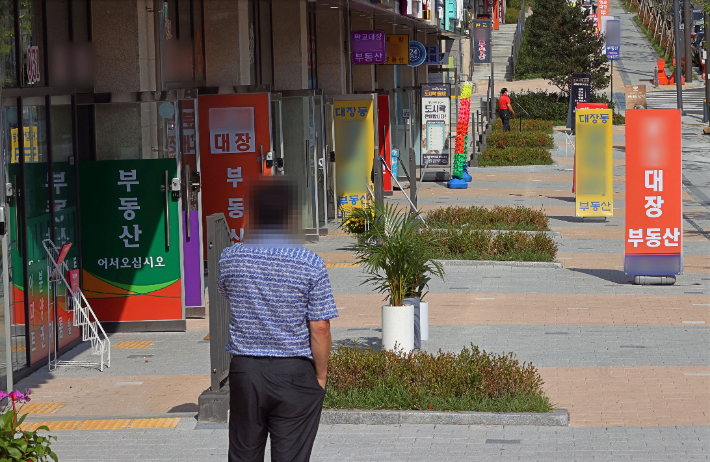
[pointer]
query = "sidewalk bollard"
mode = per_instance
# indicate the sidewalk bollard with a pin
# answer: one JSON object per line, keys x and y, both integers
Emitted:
{"x": 705, "y": 110}
{"x": 655, "y": 77}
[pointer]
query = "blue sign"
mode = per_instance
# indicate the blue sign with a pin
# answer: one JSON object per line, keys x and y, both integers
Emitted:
{"x": 432, "y": 55}
{"x": 613, "y": 38}
{"x": 417, "y": 54}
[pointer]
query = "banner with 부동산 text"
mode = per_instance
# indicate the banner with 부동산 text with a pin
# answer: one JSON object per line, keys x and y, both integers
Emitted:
{"x": 354, "y": 150}
{"x": 654, "y": 202}
{"x": 594, "y": 163}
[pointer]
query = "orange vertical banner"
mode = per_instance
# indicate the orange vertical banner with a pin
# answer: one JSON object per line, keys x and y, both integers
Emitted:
{"x": 234, "y": 131}
{"x": 654, "y": 202}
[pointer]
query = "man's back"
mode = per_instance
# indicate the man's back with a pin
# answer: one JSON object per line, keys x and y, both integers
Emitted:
{"x": 273, "y": 290}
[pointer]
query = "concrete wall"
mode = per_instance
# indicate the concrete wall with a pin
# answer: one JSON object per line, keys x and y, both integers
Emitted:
{"x": 331, "y": 51}
{"x": 290, "y": 36}
{"x": 227, "y": 42}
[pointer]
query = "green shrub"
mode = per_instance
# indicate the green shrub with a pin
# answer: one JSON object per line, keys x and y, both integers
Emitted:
{"x": 476, "y": 244}
{"x": 503, "y": 140}
{"x": 514, "y": 156}
{"x": 472, "y": 380}
{"x": 499, "y": 217}
{"x": 551, "y": 106}
{"x": 512, "y": 15}
{"x": 528, "y": 125}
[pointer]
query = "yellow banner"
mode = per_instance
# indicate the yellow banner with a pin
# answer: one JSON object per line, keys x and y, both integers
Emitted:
{"x": 397, "y": 49}
{"x": 354, "y": 151}
{"x": 594, "y": 163}
{"x": 30, "y": 146}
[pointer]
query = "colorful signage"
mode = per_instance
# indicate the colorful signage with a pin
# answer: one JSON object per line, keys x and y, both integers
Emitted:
{"x": 654, "y": 202}
{"x": 367, "y": 46}
{"x": 613, "y": 38}
{"x": 481, "y": 42}
{"x": 30, "y": 146}
{"x": 594, "y": 163}
{"x": 397, "y": 49}
{"x": 432, "y": 55}
{"x": 33, "y": 64}
{"x": 635, "y": 96}
{"x": 132, "y": 265}
{"x": 383, "y": 120}
{"x": 580, "y": 92}
{"x": 602, "y": 8}
{"x": 227, "y": 172}
{"x": 417, "y": 53}
{"x": 435, "y": 124}
{"x": 354, "y": 150}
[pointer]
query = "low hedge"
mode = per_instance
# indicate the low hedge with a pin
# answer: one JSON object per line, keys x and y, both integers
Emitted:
{"x": 536, "y": 125}
{"x": 512, "y": 15}
{"x": 472, "y": 380}
{"x": 476, "y": 244}
{"x": 499, "y": 217}
{"x": 523, "y": 139}
{"x": 544, "y": 105}
{"x": 514, "y": 156}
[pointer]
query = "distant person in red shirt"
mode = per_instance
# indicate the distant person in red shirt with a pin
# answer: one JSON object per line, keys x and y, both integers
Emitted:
{"x": 505, "y": 109}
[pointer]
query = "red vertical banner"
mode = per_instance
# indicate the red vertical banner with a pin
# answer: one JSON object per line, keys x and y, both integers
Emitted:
{"x": 234, "y": 130}
{"x": 654, "y": 201}
{"x": 496, "y": 15}
{"x": 383, "y": 122}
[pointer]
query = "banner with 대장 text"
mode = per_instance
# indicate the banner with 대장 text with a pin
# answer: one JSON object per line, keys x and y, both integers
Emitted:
{"x": 354, "y": 150}
{"x": 654, "y": 202}
{"x": 594, "y": 163}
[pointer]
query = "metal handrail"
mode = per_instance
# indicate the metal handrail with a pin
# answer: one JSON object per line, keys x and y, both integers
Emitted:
{"x": 83, "y": 315}
{"x": 218, "y": 238}
{"x": 518, "y": 39}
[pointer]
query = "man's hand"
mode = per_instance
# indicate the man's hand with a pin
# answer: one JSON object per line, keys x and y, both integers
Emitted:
{"x": 321, "y": 343}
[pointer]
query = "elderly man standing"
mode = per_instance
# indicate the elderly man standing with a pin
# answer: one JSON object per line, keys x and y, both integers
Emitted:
{"x": 281, "y": 304}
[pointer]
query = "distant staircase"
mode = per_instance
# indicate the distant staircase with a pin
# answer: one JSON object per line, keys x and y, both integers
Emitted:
{"x": 501, "y": 51}
{"x": 84, "y": 317}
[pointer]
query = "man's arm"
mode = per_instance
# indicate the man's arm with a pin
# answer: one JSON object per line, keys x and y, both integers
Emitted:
{"x": 321, "y": 343}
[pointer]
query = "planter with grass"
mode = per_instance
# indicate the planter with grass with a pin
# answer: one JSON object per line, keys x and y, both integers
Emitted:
{"x": 471, "y": 380}
{"x": 397, "y": 258}
{"x": 498, "y": 218}
{"x": 513, "y": 156}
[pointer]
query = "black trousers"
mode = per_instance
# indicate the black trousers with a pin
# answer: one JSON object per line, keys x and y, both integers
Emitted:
{"x": 505, "y": 116}
{"x": 280, "y": 397}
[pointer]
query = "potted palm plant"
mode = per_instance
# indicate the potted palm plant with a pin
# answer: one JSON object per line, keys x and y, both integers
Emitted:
{"x": 396, "y": 257}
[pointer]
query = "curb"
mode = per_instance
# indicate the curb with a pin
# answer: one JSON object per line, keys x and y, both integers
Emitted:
{"x": 557, "y": 418}
{"x": 516, "y": 264}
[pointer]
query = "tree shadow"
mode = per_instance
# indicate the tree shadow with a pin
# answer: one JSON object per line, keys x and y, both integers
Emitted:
{"x": 610, "y": 275}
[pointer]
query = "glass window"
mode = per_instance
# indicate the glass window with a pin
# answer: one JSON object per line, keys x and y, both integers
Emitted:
{"x": 8, "y": 76}
{"x": 31, "y": 42}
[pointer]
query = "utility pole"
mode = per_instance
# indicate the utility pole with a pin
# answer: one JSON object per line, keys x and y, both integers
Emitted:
{"x": 687, "y": 13}
{"x": 678, "y": 78}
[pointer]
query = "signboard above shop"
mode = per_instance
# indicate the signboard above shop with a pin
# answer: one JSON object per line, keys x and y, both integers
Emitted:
{"x": 397, "y": 49}
{"x": 417, "y": 53}
{"x": 368, "y": 46}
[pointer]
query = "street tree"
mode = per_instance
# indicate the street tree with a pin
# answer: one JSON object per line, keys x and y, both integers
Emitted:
{"x": 561, "y": 40}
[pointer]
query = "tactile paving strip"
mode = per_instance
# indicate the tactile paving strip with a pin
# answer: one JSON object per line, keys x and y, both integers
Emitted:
{"x": 113, "y": 424}
{"x": 342, "y": 265}
{"x": 154, "y": 423}
{"x": 41, "y": 408}
{"x": 53, "y": 426}
{"x": 134, "y": 345}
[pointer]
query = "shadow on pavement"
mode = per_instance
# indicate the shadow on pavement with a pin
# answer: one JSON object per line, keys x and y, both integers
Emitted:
{"x": 610, "y": 275}
{"x": 362, "y": 342}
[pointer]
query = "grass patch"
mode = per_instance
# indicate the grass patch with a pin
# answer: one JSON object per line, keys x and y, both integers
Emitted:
{"x": 476, "y": 244}
{"x": 472, "y": 380}
{"x": 521, "y": 139}
{"x": 528, "y": 125}
{"x": 514, "y": 156}
{"x": 500, "y": 217}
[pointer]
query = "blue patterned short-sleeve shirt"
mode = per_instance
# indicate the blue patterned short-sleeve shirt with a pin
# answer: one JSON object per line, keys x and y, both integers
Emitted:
{"x": 273, "y": 292}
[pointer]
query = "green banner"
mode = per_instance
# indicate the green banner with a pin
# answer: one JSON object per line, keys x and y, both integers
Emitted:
{"x": 131, "y": 267}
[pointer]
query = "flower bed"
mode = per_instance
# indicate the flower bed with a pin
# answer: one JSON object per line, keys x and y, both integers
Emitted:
{"x": 522, "y": 139}
{"x": 499, "y": 217}
{"x": 514, "y": 156}
{"x": 528, "y": 125}
{"x": 472, "y": 380}
{"x": 463, "y": 244}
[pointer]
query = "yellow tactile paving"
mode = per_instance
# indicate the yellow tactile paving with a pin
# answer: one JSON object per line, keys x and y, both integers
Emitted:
{"x": 342, "y": 265}
{"x": 52, "y": 425}
{"x": 134, "y": 345}
{"x": 41, "y": 408}
{"x": 154, "y": 423}
{"x": 112, "y": 424}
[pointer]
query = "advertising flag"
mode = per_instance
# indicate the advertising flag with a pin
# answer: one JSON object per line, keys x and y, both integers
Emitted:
{"x": 594, "y": 164}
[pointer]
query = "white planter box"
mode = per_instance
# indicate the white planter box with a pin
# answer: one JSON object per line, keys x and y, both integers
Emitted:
{"x": 398, "y": 327}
